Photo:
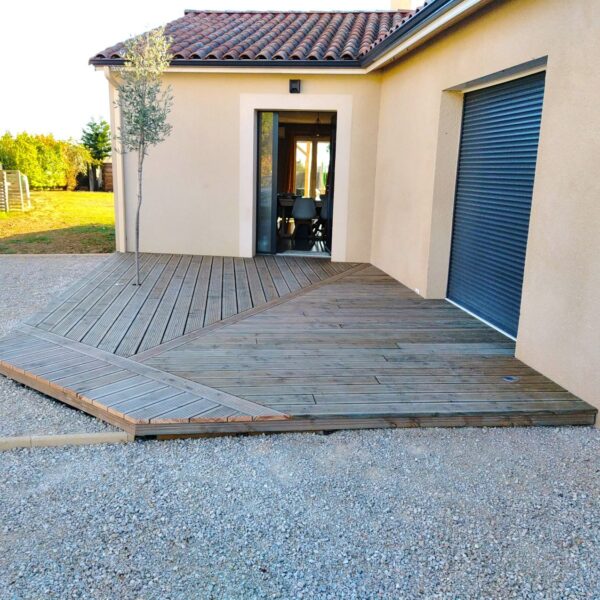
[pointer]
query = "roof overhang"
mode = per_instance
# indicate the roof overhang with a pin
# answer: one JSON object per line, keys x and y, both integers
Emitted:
{"x": 422, "y": 26}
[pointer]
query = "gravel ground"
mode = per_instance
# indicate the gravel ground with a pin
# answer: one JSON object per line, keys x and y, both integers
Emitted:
{"x": 27, "y": 284}
{"x": 464, "y": 513}
{"x": 471, "y": 513}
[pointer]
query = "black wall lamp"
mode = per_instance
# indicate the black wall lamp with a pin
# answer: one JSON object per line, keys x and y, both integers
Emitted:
{"x": 294, "y": 86}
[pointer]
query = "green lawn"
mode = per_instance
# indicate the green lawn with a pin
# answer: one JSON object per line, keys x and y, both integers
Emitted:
{"x": 60, "y": 222}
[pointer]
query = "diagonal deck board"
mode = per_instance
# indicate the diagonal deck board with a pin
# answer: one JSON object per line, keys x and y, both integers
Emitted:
{"x": 114, "y": 388}
{"x": 218, "y": 344}
{"x": 312, "y": 359}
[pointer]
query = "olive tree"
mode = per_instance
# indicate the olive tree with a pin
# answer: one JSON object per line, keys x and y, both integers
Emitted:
{"x": 144, "y": 104}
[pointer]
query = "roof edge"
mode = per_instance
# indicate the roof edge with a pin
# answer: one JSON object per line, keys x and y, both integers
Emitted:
{"x": 263, "y": 64}
{"x": 188, "y": 11}
{"x": 420, "y": 18}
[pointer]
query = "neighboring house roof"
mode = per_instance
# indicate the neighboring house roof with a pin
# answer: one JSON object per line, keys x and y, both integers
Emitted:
{"x": 205, "y": 36}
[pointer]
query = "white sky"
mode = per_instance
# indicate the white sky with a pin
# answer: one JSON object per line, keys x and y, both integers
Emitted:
{"x": 46, "y": 84}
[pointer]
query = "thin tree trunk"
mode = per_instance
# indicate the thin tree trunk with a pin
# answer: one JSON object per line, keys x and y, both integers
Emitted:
{"x": 137, "y": 216}
{"x": 91, "y": 178}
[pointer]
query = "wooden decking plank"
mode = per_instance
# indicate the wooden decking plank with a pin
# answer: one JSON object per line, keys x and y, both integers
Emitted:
{"x": 291, "y": 281}
{"x": 40, "y": 359}
{"x": 226, "y": 322}
{"x": 137, "y": 408}
{"x": 256, "y": 289}
{"x": 265, "y": 278}
{"x": 297, "y": 272}
{"x": 66, "y": 319}
{"x": 197, "y": 312}
{"x": 220, "y": 413}
{"x": 307, "y": 269}
{"x": 163, "y": 377}
{"x": 321, "y": 387}
{"x": 13, "y": 342}
{"x": 113, "y": 377}
{"x": 277, "y": 276}
{"x": 94, "y": 326}
{"x": 229, "y": 292}
{"x": 81, "y": 378}
{"x": 158, "y": 324}
{"x": 179, "y": 316}
{"x": 78, "y": 290}
{"x": 316, "y": 265}
{"x": 112, "y": 302}
{"x": 127, "y": 393}
{"x": 413, "y": 374}
{"x": 109, "y": 338}
{"x": 249, "y": 380}
{"x": 76, "y": 364}
{"x": 68, "y": 372}
{"x": 139, "y": 326}
{"x": 99, "y": 389}
{"x": 327, "y": 267}
{"x": 387, "y": 397}
{"x": 184, "y": 401}
{"x": 26, "y": 351}
{"x": 215, "y": 292}
{"x": 281, "y": 399}
{"x": 437, "y": 408}
{"x": 242, "y": 287}
{"x": 183, "y": 412}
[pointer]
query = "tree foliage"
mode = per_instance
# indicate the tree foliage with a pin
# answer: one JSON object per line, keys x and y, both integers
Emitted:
{"x": 97, "y": 139}
{"x": 47, "y": 162}
{"x": 143, "y": 102}
{"x": 144, "y": 105}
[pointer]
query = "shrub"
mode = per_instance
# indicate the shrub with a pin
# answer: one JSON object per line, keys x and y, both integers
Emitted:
{"x": 47, "y": 162}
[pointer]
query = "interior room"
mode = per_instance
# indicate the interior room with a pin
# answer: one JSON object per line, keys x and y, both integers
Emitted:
{"x": 296, "y": 162}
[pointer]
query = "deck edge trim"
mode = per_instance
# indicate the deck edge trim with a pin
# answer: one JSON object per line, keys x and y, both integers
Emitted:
{"x": 230, "y": 401}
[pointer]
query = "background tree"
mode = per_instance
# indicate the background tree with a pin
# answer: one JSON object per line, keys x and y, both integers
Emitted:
{"x": 144, "y": 105}
{"x": 77, "y": 160}
{"x": 96, "y": 138}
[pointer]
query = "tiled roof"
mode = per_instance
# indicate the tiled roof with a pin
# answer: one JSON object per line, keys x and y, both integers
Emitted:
{"x": 274, "y": 36}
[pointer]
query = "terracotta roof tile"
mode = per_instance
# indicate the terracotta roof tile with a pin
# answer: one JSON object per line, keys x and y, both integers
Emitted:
{"x": 205, "y": 36}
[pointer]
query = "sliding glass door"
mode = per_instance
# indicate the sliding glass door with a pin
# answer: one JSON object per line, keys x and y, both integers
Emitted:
{"x": 266, "y": 214}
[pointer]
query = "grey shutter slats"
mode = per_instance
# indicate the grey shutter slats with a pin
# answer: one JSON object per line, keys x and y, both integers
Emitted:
{"x": 496, "y": 170}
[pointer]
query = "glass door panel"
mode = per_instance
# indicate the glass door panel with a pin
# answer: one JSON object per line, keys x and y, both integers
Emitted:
{"x": 266, "y": 213}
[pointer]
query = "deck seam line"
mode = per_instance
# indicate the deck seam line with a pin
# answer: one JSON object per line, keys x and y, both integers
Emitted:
{"x": 187, "y": 385}
{"x": 193, "y": 335}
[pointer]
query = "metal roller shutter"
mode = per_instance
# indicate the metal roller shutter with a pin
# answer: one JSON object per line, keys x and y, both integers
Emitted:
{"x": 496, "y": 170}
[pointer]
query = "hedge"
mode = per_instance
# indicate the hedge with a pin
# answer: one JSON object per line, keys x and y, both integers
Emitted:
{"x": 47, "y": 162}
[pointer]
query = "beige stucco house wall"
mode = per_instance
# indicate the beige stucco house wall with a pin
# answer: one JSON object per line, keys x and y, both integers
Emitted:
{"x": 197, "y": 181}
{"x": 419, "y": 131}
{"x": 396, "y": 163}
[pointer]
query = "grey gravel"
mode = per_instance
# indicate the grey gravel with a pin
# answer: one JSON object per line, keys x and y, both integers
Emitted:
{"x": 464, "y": 513}
{"x": 27, "y": 284}
{"x": 471, "y": 513}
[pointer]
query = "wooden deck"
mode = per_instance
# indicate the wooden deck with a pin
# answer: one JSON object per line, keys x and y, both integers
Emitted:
{"x": 212, "y": 344}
